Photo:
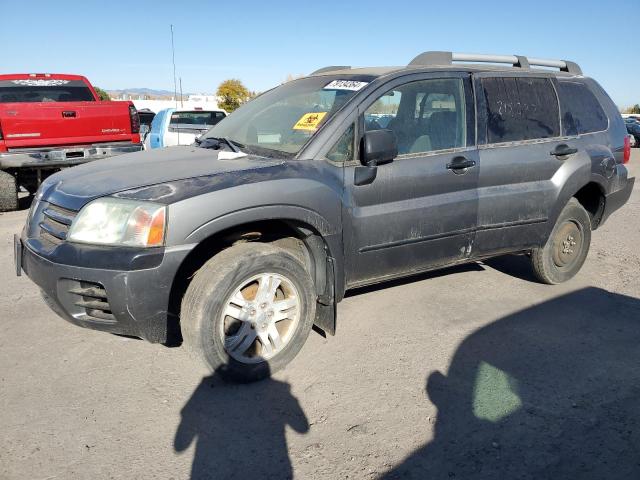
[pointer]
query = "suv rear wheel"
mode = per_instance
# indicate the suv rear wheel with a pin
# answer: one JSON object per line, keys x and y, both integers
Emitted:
{"x": 248, "y": 311}
{"x": 567, "y": 247}
{"x": 8, "y": 192}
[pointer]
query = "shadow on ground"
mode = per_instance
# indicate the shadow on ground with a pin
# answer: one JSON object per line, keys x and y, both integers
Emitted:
{"x": 24, "y": 201}
{"x": 549, "y": 392}
{"x": 518, "y": 266}
{"x": 239, "y": 430}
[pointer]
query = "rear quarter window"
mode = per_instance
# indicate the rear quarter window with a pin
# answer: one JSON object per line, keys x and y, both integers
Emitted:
{"x": 520, "y": 108}
{"x": 581, "y": 111}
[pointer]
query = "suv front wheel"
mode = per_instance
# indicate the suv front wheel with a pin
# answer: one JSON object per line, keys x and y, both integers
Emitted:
{"x": 248, "y": 311}
{"x": 567, "y": 247}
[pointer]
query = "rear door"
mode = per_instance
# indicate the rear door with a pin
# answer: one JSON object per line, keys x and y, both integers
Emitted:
{"x": 518, "y": 135}
{"x": 420, "y": 211}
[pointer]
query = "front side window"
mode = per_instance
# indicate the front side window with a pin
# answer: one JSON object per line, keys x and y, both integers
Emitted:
{"x": 581, "y": 111}
{"x": 520, "y": 108}
{"x": 426, "y": 115}
{"x": 284, "y": 119}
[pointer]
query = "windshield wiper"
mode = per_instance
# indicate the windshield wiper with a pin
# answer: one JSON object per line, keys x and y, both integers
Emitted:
{"x": 213, "y": 142}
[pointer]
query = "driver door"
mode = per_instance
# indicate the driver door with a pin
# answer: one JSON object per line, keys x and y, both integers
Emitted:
{"x": 420, "y": 211}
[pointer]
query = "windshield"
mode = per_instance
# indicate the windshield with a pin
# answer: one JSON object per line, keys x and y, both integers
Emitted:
{"x": 285, "y": 118}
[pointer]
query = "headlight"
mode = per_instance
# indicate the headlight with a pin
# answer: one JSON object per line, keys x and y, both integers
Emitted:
{"x": 115, "y": 221}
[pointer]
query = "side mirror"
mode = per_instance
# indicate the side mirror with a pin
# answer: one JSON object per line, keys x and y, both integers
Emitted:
{"x": 380, "y": 147}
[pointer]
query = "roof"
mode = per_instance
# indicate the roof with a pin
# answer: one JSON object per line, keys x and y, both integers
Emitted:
{"x": 26, "y": 76}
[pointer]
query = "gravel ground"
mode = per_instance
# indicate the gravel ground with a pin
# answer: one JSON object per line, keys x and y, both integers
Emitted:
{"x": 471, "y": 372}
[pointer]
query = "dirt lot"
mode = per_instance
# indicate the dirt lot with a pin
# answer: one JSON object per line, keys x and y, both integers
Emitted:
{"x": 473, "y": 372}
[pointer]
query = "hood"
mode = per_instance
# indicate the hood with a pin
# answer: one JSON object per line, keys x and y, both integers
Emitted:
{"x": 74, "y": 187}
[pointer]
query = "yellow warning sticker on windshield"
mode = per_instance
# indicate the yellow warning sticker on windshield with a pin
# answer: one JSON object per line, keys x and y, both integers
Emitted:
{"x": 309, "y": 121}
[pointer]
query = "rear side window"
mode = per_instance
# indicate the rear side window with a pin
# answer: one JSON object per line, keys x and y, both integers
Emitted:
{"x": 581, "y": 111}
{"x": 40, "y": 90}
{"x": 520, "y": 108}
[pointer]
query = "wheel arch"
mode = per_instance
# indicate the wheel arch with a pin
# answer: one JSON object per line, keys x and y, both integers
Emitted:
{"x": 590, "y": 193}
{"x": 592, "y": 197}
{"x": 307, "y": 236}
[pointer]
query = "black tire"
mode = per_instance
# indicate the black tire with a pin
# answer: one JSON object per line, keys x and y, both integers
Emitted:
{"x": 567, "y": 247}
{"x": 207, "y": 296}
{"x": 8, "y": 192}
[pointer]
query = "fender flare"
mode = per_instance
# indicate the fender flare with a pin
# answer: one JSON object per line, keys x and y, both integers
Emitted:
{"x": 307, "y": 222}
{"x": 262, "y": 213}
{"x": 572, "y": 186}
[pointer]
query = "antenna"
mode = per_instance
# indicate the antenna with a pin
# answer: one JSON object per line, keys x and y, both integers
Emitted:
{"x": 173, "y": 59}
{"x": 181, "y": 97}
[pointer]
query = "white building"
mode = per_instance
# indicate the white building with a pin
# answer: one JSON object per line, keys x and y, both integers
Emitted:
{"x": 191, "y": 102}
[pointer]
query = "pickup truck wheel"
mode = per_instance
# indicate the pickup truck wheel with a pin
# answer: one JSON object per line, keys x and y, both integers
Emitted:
{"x": 248, "y": 311}
{"x": 8, "y": 192}
{"x": 567, "y": 247}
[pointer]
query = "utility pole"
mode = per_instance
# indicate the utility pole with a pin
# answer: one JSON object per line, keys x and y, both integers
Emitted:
{"x": 181, "y": 97}
{"x": 173, "y": 59}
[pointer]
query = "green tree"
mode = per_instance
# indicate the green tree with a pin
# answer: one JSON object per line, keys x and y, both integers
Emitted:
{"x": 102, "y": 94}
{"x": 232, "y": 93}
{"x": 635, "y": 109}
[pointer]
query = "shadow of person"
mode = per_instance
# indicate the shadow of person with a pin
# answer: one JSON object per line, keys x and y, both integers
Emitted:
{"x": 239, "y": 430}
{"x": 552, "y": 391}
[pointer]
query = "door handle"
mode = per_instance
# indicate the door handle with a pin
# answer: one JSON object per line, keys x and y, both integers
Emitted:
{"x": 563, "y": 150}
{"x": 460, "y": 163}
{"x": 68, "y": 114}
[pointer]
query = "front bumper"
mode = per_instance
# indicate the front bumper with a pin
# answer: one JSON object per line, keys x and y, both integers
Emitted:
{"x": 136, "y": 300}
{"x": 67, "y": 156}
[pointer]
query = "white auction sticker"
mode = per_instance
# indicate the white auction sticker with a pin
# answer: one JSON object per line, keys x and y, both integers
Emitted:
{"x": 346, "y": 85}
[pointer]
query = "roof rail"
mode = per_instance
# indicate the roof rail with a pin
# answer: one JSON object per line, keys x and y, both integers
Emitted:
{"x": 447, "y": 58}
{"x": 331, "y": 68}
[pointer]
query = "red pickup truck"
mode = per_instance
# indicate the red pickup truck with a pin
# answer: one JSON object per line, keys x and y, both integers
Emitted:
{"x": 51, "y": 121}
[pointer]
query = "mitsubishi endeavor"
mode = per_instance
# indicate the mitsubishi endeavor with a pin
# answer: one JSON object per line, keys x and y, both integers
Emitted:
{"x": 240, "y": 243}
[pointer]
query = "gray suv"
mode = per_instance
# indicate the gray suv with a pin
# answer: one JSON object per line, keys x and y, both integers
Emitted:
{"x": 238, "y": 245}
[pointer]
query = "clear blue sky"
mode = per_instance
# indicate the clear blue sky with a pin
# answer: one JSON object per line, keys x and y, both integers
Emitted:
{"x": 125, "y": 44}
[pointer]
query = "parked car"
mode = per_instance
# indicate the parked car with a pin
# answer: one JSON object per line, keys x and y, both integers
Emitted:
{"x": 172, "y": 127}
{"x": 632, "y": 140}
{"x": 52, "y": 121}
{"x": 239, "y": 244}
{"x": 633, "y": 128}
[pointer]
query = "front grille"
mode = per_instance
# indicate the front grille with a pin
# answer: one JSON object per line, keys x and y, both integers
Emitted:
{"x": 93, "y": 298}
{"x": 55, "y": 223}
